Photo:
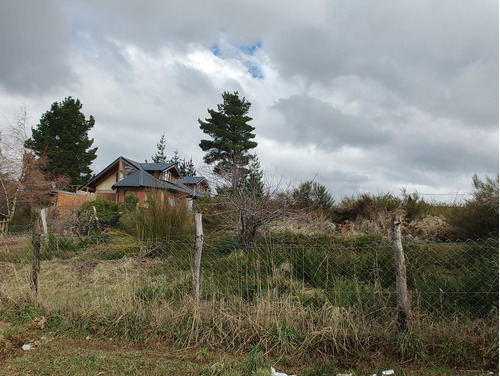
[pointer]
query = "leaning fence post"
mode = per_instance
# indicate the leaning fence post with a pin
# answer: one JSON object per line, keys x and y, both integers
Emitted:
{"x": 198, "y": 247}
{"x": 401, "y": 284}
{"x": 35, "y": 269}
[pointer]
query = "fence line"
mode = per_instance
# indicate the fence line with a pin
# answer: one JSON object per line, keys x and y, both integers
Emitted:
{"x": 360, "y": 273}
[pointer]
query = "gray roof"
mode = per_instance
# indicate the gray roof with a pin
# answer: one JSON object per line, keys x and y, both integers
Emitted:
{"x": 156, "y": 166}
{"x": 191, "y": 179}
{"x": 141, "y": 178}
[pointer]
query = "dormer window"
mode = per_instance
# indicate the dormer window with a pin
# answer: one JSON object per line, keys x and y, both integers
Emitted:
{"x": 165, "y": 176}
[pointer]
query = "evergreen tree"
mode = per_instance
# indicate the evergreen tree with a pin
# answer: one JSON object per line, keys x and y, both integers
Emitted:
{"x": 62, "y": 137}
{"x": 312, "y": 195}
{"x": 231, "y": 138}
{"x": 186, "y": 168}
{"x": 160, "y": 155}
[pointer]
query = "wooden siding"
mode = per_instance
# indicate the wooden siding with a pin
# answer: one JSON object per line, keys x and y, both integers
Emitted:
{"x": 106, "y": 184}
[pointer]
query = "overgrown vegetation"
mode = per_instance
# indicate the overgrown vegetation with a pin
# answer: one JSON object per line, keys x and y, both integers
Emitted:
{"x": 162, "y": 219}
{"x": 288, "y": 298}
{"x": 295, "y": 298}
{"x": 478, "y": 218}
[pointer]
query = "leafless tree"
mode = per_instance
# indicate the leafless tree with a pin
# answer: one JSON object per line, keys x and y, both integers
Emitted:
{"x": 249, "y": 207}
{"x": 22, "y": 181}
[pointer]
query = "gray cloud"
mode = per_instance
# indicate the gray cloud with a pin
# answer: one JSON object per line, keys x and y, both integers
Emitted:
{"x": 365, "y": 95}
{"x": 309, "y": 120}
{"x": 34, "y": 40}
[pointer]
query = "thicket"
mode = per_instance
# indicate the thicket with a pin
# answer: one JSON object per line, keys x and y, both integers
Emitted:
{"x": 478, "y": 218}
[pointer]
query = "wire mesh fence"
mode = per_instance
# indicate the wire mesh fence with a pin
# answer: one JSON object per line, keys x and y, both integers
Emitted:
{"x": 295, "y": 295}
{"x": 444, "y": 279}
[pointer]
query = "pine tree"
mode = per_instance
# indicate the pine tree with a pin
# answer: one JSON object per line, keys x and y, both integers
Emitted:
{"x": 185, "y": 168}
{"x": 62, "y": 137}
{"x": 160, "y": 155}
{"x": 231, "y": 138}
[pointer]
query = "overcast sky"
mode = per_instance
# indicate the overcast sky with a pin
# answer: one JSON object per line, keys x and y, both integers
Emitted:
{"x": 362, "y": 96}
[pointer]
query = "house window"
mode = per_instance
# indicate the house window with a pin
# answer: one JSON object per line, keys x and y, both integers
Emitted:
{"x": 165, "y": 176}
{"x": 126, "y": 171}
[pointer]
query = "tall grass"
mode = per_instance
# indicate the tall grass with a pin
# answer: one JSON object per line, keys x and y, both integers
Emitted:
{"x": 291, "y": 298}
{"x": 163, "y": 219}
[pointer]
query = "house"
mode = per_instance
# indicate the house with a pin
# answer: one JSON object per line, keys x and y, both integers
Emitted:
{"x": 197, "y": 184}
{"x": 125, "y": 175}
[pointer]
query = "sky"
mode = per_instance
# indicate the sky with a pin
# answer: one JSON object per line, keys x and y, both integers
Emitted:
{"x": 361, "y": 96}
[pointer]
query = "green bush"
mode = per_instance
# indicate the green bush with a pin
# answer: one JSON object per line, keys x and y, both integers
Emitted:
{"x": 478, "y": 218}
{"x": 107, "y": 212}
{"x": 365, "y": 206}
{"x": 130, "y": 202}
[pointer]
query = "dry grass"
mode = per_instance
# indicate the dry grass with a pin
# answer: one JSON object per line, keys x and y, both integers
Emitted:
{"x": 144, "y": 298}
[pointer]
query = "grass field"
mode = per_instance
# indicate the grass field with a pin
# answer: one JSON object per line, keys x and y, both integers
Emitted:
{"x": 307, "y": 306}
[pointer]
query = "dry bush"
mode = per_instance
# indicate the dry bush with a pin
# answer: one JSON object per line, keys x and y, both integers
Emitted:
{"x": 306, "y": 223}
{"x": 428, "y": 228}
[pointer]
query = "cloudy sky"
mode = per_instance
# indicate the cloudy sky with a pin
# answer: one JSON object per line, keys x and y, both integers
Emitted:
{"x": 362, "y": 96}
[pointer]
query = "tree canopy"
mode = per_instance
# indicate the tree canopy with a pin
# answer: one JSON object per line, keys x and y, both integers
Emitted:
{"x": 231, "y": 138}
{"x": 62, "y": 137}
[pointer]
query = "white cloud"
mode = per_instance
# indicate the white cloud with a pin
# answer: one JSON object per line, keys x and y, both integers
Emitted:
{"x": 361, "y": 96}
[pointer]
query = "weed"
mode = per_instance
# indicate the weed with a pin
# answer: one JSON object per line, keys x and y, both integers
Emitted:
{"x": 410, "y": 347}
{"x": 202, "y": 354}
{"x": 253, "y": 362}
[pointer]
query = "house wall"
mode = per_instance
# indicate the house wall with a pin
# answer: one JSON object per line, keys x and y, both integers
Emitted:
{"x": 106, "y": 196}
{"x": 106, "y": 184}
{"x": 141, "y": 194}
{"x": 137, "y": 191}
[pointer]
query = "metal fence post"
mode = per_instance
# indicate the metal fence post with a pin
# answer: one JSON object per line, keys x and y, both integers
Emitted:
{"x": 401, "y": 283}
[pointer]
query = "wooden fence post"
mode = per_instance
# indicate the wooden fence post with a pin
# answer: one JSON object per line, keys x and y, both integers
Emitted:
{"x": 35, "y": 269}
{"x": 401, "y": 283}
{"x": 198, "y": 247}
{"x": 43, "y": 216}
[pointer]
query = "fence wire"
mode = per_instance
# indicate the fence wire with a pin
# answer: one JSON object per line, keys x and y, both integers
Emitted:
{"x": 444, "y": 279}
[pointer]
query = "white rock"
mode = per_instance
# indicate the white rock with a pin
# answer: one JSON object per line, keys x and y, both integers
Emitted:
{"x": 388, "y": 372}
{"x": 26, "y": 347}
{"x": 274, "y": 373}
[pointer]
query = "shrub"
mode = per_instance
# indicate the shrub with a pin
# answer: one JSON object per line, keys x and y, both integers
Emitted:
{"x": 478, "y": 218}
{"x": 365, "y": 206}
{"x": 130, "y": 202}
{"x": 107, "y": 212}
{"x": 162, "y": 219}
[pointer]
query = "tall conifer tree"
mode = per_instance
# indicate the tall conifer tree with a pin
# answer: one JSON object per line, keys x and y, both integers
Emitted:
{"x": 231, "y": 138}
{"x": 62, "y": 137}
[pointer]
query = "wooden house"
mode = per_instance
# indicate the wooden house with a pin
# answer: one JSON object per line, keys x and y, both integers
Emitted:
{"x": 125, "y": 175}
